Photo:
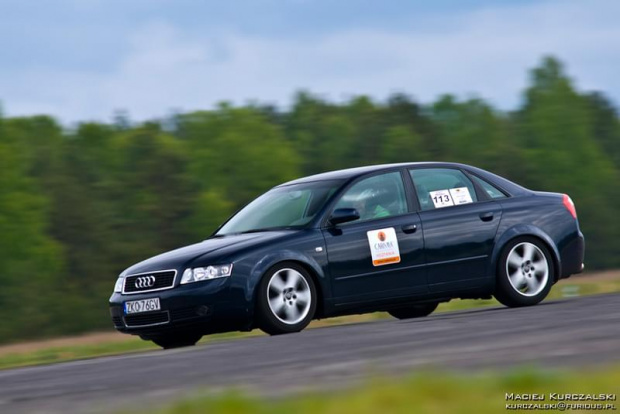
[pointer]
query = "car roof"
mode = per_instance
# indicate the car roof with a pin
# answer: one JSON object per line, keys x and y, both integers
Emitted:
{"x": 358, "y": 171}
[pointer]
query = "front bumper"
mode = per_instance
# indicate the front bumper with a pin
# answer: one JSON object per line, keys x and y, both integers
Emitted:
{"x": 207, "y": 307}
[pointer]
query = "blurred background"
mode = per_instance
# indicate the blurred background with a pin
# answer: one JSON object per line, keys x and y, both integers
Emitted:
{"x": 131, "y": 128}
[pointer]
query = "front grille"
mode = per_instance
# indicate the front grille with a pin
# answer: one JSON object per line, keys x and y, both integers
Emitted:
{"x": 147, "y": 319}
{"x": 117, "y": 321}
{"x": 148, "y": 282}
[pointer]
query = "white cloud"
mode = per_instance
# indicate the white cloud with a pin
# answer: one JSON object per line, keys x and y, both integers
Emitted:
{"x": 485, "y": 52}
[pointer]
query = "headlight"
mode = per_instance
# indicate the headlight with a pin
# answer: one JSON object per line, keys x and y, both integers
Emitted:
{"x": 206, "y": 273}
{"x": 118, "y": 287}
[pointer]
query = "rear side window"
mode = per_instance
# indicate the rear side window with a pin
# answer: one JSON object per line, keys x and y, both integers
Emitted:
{"x": 442, "y": 187}
{"x": 488, "y": 188}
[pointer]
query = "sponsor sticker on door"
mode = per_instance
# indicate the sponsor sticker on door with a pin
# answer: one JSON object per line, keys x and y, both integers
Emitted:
{"x": 383, "y": 246}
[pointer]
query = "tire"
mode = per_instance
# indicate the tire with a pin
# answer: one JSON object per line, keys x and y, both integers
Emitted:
{"x": 525, "y": 273}
{"x": 414, "y": 311}
{"x": 286, "y": 300}
{"x": 176, "y": 340}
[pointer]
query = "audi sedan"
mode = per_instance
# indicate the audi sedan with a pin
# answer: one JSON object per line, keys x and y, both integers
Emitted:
{"x": 400, "y": 238}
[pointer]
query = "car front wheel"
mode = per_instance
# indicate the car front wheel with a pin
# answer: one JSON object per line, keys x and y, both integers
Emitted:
{"x": 525, "y": 273}
{"x": 286, "y": 300}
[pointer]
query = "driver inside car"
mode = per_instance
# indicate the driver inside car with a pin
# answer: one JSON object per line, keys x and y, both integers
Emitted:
{"x": 371, "y": 204}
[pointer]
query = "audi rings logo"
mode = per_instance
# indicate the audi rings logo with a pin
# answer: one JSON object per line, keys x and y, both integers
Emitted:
{"x": 145, "y": 282}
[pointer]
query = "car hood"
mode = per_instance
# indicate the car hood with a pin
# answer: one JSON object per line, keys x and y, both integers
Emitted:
{"x": 185, "y": 256}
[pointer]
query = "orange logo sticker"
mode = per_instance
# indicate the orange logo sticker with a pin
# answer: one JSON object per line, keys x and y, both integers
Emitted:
{"x": 383, "y": 245}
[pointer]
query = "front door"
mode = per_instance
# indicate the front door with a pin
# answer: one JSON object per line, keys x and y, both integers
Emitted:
{"x": 380, "y": 255}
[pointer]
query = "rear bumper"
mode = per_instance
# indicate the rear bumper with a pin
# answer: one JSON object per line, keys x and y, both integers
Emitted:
{"x": 572, "y": 257}
{"x": 205, "y": 307}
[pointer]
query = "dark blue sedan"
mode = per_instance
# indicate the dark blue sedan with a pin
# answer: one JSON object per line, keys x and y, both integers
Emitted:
{"x": 400, "y": 238}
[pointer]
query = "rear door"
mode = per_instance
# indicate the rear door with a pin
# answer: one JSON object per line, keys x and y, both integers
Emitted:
{"x": 380, "y": 255}
{"x": 460, "y": 222}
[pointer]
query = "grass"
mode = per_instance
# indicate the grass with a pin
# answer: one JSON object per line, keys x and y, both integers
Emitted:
{"x": 52, "y": 351}
{"x": 122, "y": 344}
{"x": 69, "y": 353}
{"x": 426, "y": 392}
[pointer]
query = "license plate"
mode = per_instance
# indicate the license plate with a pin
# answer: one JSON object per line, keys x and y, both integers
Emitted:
{"x": 143, "y": 305}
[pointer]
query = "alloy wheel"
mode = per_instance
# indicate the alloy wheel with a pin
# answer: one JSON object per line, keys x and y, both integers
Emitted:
{"x": 527, "y": 269}
{"x": 289, "y": 296}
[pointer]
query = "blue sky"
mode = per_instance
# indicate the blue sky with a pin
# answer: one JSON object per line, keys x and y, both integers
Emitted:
{"x": 84, "y": 59}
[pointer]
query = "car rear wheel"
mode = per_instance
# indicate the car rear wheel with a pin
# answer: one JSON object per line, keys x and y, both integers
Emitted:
{"x": 414, "y": 311}
{"x": 286, "y": 300}
{"x": 525, "y": 273}
{"x": 176, "y": 340}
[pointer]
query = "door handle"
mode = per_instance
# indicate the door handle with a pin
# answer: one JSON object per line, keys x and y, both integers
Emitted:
{"x": 486, "y": 216}
{"x": 410, "y": 228}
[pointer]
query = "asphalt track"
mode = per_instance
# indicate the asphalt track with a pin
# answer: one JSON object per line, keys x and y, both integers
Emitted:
{"x": 558, "y": 334}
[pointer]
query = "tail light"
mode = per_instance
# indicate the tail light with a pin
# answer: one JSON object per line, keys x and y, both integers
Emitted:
{"x": 570, "y": 206}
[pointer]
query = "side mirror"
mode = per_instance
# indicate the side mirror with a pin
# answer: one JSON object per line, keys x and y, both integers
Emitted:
{"x": 343, "y": 215}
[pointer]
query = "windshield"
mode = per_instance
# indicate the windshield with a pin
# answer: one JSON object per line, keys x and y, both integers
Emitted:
{"x": 292, "y": 206}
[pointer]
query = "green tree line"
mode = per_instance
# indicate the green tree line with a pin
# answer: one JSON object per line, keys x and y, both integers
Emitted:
{"x": 80, "y": 204}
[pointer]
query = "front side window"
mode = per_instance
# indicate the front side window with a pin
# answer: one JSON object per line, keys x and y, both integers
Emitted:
{"x": 442, "y": 187}
{"x": 291, "y": 206}
{"x": 376, "y": 197}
